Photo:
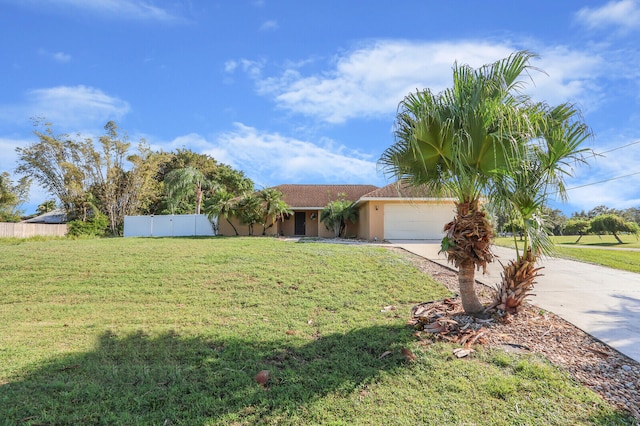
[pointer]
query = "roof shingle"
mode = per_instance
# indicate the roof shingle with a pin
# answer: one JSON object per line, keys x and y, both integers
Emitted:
{"x": 306, "y": 196}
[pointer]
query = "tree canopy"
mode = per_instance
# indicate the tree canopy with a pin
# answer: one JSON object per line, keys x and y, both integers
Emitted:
{"x": 88, "y": 177}
{"x": 12, "y": 196}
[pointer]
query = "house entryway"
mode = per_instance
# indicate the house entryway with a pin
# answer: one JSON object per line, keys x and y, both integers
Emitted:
{"x": 300, "y": 223}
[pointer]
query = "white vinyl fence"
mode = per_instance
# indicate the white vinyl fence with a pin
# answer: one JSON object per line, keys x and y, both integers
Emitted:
{"x": 26, "y": 230}
{"x": 179, "y": 225}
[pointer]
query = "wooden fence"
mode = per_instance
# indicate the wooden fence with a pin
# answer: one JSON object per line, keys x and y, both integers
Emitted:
{"x": 26, "y": 230}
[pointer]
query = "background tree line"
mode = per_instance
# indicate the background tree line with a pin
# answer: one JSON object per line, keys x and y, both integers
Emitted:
{"x": 599, "y": 220}
{"x": 98, "y": 182}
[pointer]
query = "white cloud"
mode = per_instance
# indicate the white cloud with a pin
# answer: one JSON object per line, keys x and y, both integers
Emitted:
{"x": 371, "y": 80}
{"x": 571, "y": 76}
{"x": 60, "y": 57}
{"x": 230, "y": 66}
{"x": 270, "y": 25}
{"x": 271, "y": 158}
{"x": 69, "y": 106}
{"x": 122, "y": 9}
{"x": 611, "y": 179}
{"x": 624, "y": 14}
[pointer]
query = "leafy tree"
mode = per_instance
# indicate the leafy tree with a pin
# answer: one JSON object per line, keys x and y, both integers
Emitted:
{"x": 233, "y": 180}
{"x": 12, "y": 195}
{"x": 582, "y": 215}
{"x": 614, "y": 225}
{"x": 601, "y": 210}
{"x": 456, "y": 143}
{"x": 75, "y": 171}
{"x": 56, "y": 163}
{"x": 632, "y": 214}
{"x": 556, "y": 220}
{"x": 336, "y": 214}
{"x": 576, "y": 226}
{"x": 217, "y": 174}
{"x": 118, "y": 179}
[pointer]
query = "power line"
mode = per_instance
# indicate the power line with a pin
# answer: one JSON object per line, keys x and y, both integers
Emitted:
{"x": 613, "y": 178}
{"x": 603, "y": 181}
{"x": 620, "y": 147}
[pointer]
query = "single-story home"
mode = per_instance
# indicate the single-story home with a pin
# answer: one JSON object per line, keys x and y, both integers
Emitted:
{"x": 391, "y": 212}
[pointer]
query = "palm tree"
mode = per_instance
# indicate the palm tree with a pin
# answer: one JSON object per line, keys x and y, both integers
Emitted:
{"x": 182, "y": 183}
{"x": 222, "y": 204}
{"x": 336, "y": 214}
{"x": 249, "y": 210}
{"x": 525, "y": 190}
{"x": 272, "y": 206}
{"x": 456, "y": 143}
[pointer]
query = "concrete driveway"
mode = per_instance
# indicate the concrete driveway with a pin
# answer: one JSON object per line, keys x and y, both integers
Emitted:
{"x": 603, "y": 302}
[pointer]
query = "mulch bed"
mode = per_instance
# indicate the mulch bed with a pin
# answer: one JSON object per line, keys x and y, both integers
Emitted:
{"x": 606, "y": 371}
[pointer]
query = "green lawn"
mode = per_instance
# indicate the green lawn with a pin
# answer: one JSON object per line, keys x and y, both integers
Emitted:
{"x": 595, "y": 253}
{"x": 629, "y": 241}
{"x": 174, "y": 331}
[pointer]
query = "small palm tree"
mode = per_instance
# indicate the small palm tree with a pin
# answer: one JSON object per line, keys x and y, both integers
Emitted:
{"x": 46, "y": 207}
{"x": 524, "y": 192}
{"x": 183, "y": 183}
{"x": 273, "y": 206}
{"x": 249, "y": 210}
{"x": 222, "y": 204}
{"x": 336, "y": 214}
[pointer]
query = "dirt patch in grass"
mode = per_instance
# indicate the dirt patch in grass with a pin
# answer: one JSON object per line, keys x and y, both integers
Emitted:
{"x": 606, "y": 371}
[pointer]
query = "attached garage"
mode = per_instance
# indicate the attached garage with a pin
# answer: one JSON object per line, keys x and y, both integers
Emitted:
{"x": 413, "y": 221}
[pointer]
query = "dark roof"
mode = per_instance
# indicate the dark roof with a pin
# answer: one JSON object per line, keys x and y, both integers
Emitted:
{"x": 399, "y": 190}
{"x": 302, "y": 196}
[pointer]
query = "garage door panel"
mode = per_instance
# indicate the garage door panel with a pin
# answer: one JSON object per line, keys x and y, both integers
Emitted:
{"x": 417, "y": 221}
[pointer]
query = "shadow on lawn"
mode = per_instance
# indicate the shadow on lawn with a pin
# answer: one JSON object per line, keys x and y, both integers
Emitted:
{"x": 172, "y": 379}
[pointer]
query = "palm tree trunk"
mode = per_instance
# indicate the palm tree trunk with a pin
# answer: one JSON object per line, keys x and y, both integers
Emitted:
{"x": 198, "y": 199}
{"x": 466, "y": 281}
{"x": 468, "y": 246}
{"x": 234, "y": 228}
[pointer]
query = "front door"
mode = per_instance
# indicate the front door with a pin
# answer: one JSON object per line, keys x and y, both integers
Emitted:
{"x": 300, "y": 218}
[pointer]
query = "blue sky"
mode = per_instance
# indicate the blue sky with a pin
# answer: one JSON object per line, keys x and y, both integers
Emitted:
{"x": 306, "y": 92}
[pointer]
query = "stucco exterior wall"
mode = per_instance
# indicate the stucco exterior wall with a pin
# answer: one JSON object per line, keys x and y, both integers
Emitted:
{"x": 370, "y": 221}
{"x": 371, "y": 216}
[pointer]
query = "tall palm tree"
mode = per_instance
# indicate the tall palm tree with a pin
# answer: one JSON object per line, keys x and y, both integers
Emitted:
{"x": 456, "y": 143}
{"x": 525, "y": 191}
{"x": 182, "y": 183}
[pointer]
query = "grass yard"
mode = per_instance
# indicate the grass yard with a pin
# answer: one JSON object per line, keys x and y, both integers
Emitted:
{"x": 629, "y": 241}
{"x": 174, "y": 331}
{"x": 595, "y": 253}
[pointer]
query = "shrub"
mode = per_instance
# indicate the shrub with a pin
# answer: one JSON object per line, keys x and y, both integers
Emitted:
{"x": 96, "y": 226}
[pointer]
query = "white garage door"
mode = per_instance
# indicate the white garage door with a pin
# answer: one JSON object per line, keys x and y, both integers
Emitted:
{"x": 416, "y": 221}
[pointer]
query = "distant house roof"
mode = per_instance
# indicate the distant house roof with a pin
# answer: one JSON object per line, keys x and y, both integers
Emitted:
{"x": 54, "y": 216}
{"x": 399, "y": 190}
{"x": 318, "y": 196}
